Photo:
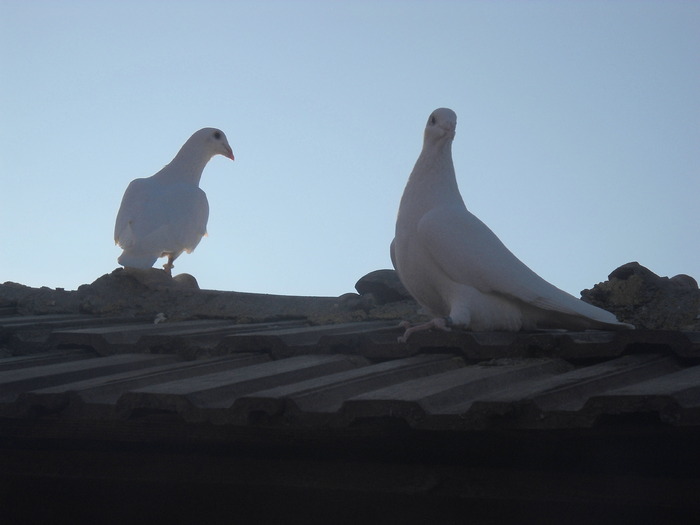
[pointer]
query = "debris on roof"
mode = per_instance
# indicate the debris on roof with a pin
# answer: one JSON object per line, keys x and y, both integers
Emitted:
{"x": 639, "y": 296}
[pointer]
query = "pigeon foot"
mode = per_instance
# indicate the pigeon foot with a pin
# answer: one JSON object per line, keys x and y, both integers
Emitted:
{"x": 439, "y": 323}
{"x": 168, "y": 267}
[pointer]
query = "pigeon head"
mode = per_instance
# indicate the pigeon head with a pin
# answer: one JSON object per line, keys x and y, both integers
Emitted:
{"x": 441, "y": 125}
{"x": 194, "y": 155}
{"x": 211, "y": 141}
{"x": 208, "y": 142}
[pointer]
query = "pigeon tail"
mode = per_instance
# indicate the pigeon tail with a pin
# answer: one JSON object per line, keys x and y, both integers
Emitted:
{"x": 134, "y": 260}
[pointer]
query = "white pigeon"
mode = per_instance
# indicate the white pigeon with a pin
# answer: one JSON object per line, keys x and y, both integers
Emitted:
{"x": 167, "y": 213}
{"x": 456, "y": 267}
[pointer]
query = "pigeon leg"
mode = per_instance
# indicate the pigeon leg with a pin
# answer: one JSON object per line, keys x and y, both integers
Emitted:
{"x": 440, "y": 323}
{"x": 168, "y": 266}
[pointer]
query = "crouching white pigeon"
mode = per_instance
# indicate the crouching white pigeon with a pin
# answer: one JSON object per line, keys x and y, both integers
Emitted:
{"x": 456, "y": 267}
{"x": 166, "y": 214}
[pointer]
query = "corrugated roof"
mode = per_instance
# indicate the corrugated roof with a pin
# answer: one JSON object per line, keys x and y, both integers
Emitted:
{"x": 289, "y": 373}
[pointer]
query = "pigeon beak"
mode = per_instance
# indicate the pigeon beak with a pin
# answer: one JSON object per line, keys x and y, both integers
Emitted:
{"x": 229, "y": 153}
{"x": 450, "y": 131}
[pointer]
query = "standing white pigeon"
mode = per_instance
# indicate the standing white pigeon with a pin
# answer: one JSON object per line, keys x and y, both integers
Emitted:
{"x": 167, "y": 213}
{"x": 457, "y": 268}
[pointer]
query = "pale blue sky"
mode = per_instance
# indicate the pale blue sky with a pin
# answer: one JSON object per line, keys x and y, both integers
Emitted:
{"x": 578, "y": 136}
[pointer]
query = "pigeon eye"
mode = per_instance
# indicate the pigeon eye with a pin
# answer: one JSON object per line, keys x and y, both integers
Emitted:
{"x": 217, "y": 135}
{"x": 432, "y": 120}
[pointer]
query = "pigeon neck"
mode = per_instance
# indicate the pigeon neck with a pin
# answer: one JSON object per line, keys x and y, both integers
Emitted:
{"x": 188, "y": 165}
{"x": 434, "y": 174}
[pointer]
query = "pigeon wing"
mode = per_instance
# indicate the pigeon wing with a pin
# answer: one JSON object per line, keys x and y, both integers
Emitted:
{"x": 131, "y": 211}
{"x": 188, "y": 216}
{"x": 161, "y": 218}
{"x": 468, "y": 252}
